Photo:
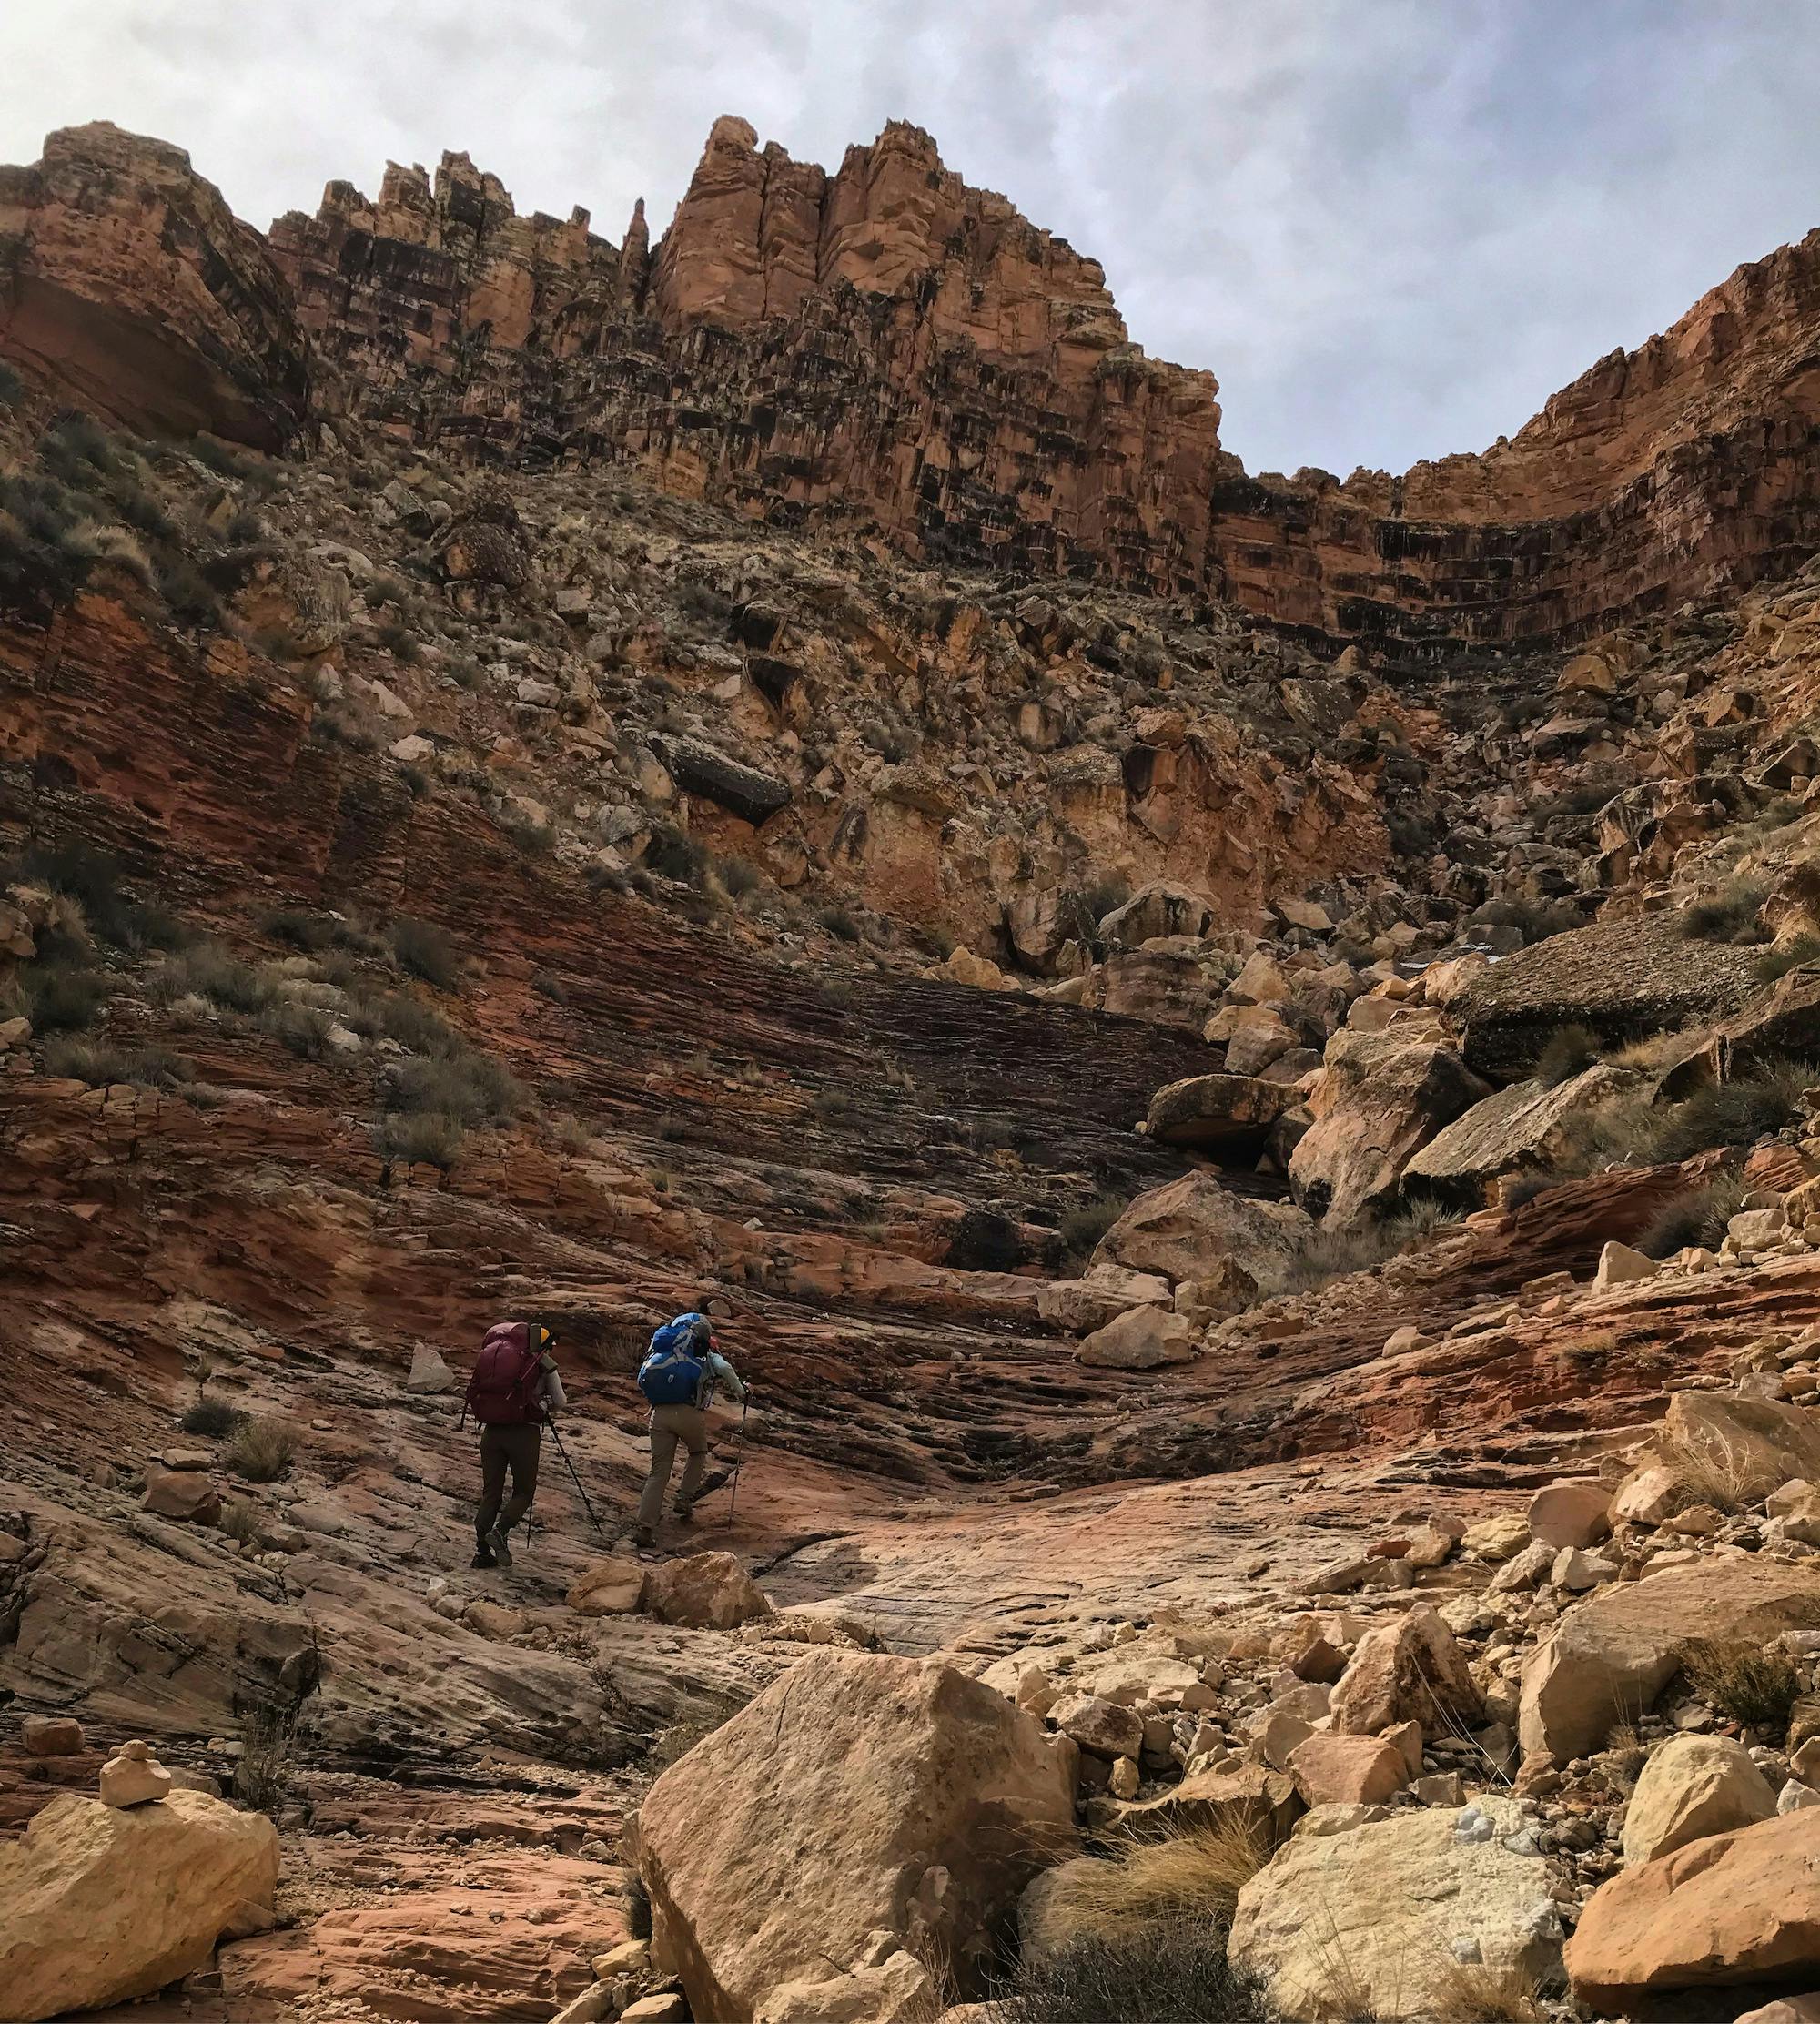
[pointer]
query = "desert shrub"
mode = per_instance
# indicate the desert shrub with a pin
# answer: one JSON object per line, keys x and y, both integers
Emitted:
{"x": 62, "y": 996}
{"x": 1525, "y": 1188}
{"x": 1731, "y": 915}
{"x": 226, "y": 981}
{"x": 888, "y": 740}
{"x": 672, "y": 854}
{"x": 240, "y": 1519}
{"x": 96, "y": 882}
{"x": 465, "y": 1084}
{"x": 226, "y": 462}
{"x": 1105, "y": 895}
{"x": 426, "y": 951}
{"x": 312, "y": 933}
{"x": 682, "y": 1734}
{"x": 571, "y": 1134}
{"x": 1568, "y": 1050}
{"x": 1081, "y": 1228}
{"x": 740, "y": 877}
{"x": 267, "y": 1768}
{"x": 100, "y": 1064}
{"x": 1757, "y": 1688}
{"x": 1737, "y": 1113}
{"x": 1698, "y": 1216}
{"x": 1328, "y": 1253}
{"x": 12, "y": 388}
{"x": 213, "y": 1419}
{"x": 548, "y": 985}
{"x": 536, "y": 839}
{"x": 229, "y": 569}
{"x": 302, "y": 1028}
{"x": 398, "y": 641}
{"x": 47, "y": 545}
{"x": 1779, "y": 961}
{"x": 1176, "y": 1973}
{"x": 427, "y": 1137}
{"x": 1194, "y": 1874}
{"x": 838, "y": 923}
{"x": 260, "y": 1451}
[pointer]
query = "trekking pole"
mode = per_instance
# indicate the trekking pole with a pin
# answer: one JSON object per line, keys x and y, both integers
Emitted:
{"x": 575, "y": 1479}
{"x": 733, "y": 1498}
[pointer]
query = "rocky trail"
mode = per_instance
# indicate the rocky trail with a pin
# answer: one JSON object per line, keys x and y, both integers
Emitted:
{"x": 1238, "y": 1057}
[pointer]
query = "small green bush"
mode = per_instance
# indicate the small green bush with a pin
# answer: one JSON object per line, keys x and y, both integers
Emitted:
{"x": 224, "y": 980}
{"x": 468, "y": 1086}
{"x": 62, "y": 998}
{"x": 1173, "y": 1973}
{"x": 740, "y": 877}
{"x": 838, "y": 923}
{"x": 1778, "y": 963}
{"x": 302, "y": 1028}
{"x": 430, "y": 1139}
{"x": 1731, "y": 915}
{"x": 102, "y": 1065}
{"x": 213, "y": 1419}
{"x": 1081, "y": 1228}
{"x": 1757, "y": 1688}
{"x": 672, "y": 854}
{"x": 1697, "y": 1217}
{"x": 399, "y": 642}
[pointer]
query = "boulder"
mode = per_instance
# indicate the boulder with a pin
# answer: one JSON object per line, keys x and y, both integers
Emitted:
{"x": 1186, "y": 1228}
{"x": 1228, "y": 1112}
{"x": 1140, "y": 1339}
{"x": 1522, "y": 1129}
{"x": 1348, "y": 1770}
{"x": 1745, "y": 1447}
{"x": 182, "y": 1494}
{"x": 741, "y": 790}
{"x": 1380, "y": 1099}
{"x": 1692, "y": 1786}
{"x": 1264, "y": 1802}
{"x": 707, "y": 1591}
{"x": 1735, "y": 1907}
{"x": 51, "y": 1736}
{"x": 1410, "y": 1670}
{"x": 857, "y": 1796}
{"x": 1612, "y": 1655}
{"x": 1497, "y": 1538}
{"x": 1101, "y": 1294}
{"x": 1621, "y": 1265}
{"x": 1649, "y": 1494}
{"x": 100, "y": 1905}
{"x": 1153, "y": 912}
{"x": 1106, "y": 1728}
{"x": 428, "y": 1373}
{"x": 611, "y": 1587}
{"x": 895, "y": 1990}
{"x": 1379, "y": 1914}
{"x": 1624, "y": 979}
{"x": 1570, "y": 1514}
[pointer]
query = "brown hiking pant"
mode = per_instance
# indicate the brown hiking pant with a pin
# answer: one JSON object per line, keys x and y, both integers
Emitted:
{"x": 503, "y": 1448}
{"x": 669, "y": 1424}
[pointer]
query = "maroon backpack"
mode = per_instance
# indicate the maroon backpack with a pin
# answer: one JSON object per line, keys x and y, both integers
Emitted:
{"x": 504, "y": 1391}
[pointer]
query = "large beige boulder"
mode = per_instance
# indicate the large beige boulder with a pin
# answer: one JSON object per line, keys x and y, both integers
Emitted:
{"x": 1522, "y": 1129}
{"x": 1101, "y": 1294}
{"x": 895, "y": 1990}
{"x": 1348, "y": 1770}
{"x": 1224, "y": 1111}
{"x": 1694, "y": 1786}
{"x": 1613, "y": 1653}
{"x": 101, "y": 1905}
{"x": 1735, "y": 1908}
{"x": 857, "y": 1797}
{"x": 707, "y": 1591}
{"x": 1380, "y": 1098}
{"x": 1142, "y": 1338}
{"x": 1737, "y": 1450}
{"x": 1411, "y": 1670}
{"x": 1251, "y": 1798}
{"x": 613, "y": 1586}
{"x": 1377, "y": 1914}
{"x": 1187, "y": 1228}
{"x": 1570, "y": 1514}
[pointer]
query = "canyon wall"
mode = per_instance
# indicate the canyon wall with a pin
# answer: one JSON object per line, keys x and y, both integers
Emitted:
{"x": 892, "y": 345}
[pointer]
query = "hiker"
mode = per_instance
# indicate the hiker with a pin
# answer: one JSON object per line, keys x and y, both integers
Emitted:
{"x": 682, "y": 1371}
{"x": 514, "y": 1390}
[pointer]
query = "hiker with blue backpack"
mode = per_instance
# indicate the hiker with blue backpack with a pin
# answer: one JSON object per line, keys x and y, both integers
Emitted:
{"x": 682, "y": 1373}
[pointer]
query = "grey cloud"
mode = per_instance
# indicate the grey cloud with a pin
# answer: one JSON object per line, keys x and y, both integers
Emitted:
{"x": 1392, "y": 230}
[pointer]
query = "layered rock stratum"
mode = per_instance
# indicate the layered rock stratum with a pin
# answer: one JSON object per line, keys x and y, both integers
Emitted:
{"x": 1237, "y": 1051}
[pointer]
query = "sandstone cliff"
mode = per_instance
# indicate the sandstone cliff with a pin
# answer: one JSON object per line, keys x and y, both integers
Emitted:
{"x": 889, "y": 346}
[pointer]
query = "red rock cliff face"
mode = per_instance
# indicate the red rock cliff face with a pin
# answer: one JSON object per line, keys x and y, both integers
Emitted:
{"x": 888, "y": 342}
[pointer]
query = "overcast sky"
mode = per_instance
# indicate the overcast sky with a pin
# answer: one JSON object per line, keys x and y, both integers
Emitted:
{"x": 1390, "y": 226}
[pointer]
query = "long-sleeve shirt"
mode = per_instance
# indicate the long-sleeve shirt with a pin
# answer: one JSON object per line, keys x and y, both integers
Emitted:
{"x": 720, "y": 1371}
{"x": 549, "y": 1393}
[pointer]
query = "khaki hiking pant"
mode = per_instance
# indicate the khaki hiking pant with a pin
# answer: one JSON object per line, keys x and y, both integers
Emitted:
{"x": 503, "y": 1448}
{"x": 669, "y": 1425}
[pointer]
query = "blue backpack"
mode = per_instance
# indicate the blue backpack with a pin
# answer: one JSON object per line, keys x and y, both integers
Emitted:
{"x": 671, "y": 1373}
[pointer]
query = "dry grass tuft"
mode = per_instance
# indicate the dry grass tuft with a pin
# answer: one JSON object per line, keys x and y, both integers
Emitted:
{"x": 1473, "y": 1992}
{"x": 1197, "y": 1873}
{"x": 1756, "y": 1688}
{"x": 1717, "y": 1471}
{"x": 260, "y": 1451}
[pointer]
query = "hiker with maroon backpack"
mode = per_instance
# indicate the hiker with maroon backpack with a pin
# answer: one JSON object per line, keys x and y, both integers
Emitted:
{"x": 513, "y": 1393}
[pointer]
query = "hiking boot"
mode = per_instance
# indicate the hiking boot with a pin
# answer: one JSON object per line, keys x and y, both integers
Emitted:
{"x": 642, "y": 1536}
{"x": 683, "y": 1514}
{"x": 495, "y": 1538}
{"x": 483, "y": 1557}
